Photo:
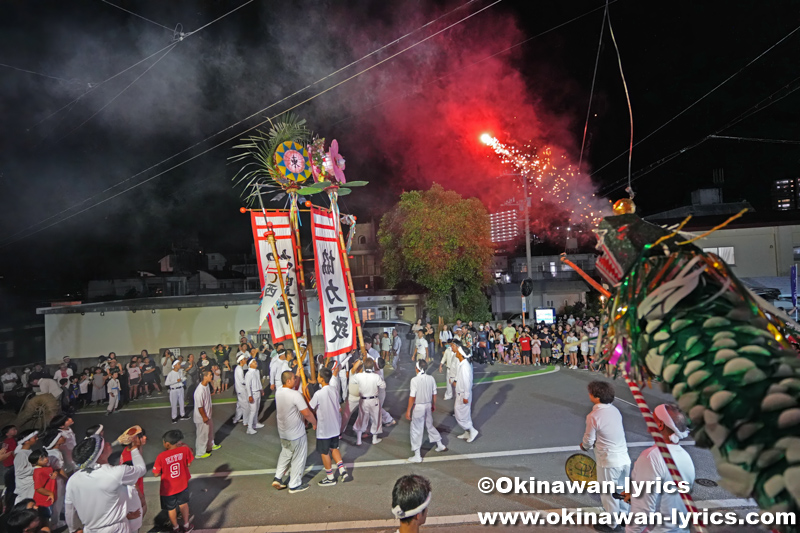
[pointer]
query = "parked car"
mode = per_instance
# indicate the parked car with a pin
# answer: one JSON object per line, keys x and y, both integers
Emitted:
{"x": 372, "y": 327}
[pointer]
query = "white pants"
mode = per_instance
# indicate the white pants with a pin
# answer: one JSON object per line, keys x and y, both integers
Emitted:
{"x": 176, "y": 401}
{"x": 448, "y": 389}
{"x": 370, "y": 412}
{"x": 343, "y": 383}
{"x": 616, "y": 474}
{"x": 347, "y": 411}
{"x": 241, "y": 407}
{"x": 463, "y": 412}
{"x": 205, "y": 437}
{"x": 58, "y": 505}
{"x": 251, "y": 415}
{"x": 113, "y": 401}
{"x": 293, "y": 452}
{"x": 421, "y": 419}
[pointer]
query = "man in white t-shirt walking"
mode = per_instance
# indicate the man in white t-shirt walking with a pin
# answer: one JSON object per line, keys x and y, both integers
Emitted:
{"x": 239, "y": 386}
{"x": 204, "y": 444}
{"x": 420, "y": 347}
{"x": 325, "y": 404}
{"x": 254, "y": 392}
{"x": 604, "y": 433}
{"x": 291, "y": 409}
{"x": 369, "y": 384}
{"x": 421, "y": 404}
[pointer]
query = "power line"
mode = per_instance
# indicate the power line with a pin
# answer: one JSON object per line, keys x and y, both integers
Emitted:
{"x": 244, "y": 119}
{"x": 270, "y": 119}
{"x": 594, "y": 77}
{"x": 38, "y": 73}
{"x": 755, "y": 139}
{"x": 758, "y": 107}
{"x": 726, "y": 80}
{"x": 136, "y": 15}
{"x": 503, "y": 51}
{"x": 92, "y": 87}
{"x": 627, "y": 97}
{"x": 118, "y": 94}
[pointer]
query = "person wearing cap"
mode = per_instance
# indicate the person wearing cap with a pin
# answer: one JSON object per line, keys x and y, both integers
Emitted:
{"x": 254, "y": 392}
{"x": 204, "y": 443}
{"x": 369, "y": 384}
{"x": 96, "y": 495}
{"x": 604, "y": 433}
{"x": 239, "y": 388}
{"x": 23, "y": 470}
{"x": 175, "y": 383}
{"x": 411, "y": 497}
{"x": 421, "y": 404}
{"x": 650, "y": 467}
{"x": 463, "y": 389}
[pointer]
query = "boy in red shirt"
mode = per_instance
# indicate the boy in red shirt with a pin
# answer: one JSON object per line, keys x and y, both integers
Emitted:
{"x": 173, "y": 467}
{"x": 525, "y": 347}
{"x": 44, "y": 483}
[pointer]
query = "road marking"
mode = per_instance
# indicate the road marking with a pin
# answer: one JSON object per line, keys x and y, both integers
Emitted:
{"x": 428, "y": 459}
{"x": 223, "y": 401}
{"x": 434, "y": 520}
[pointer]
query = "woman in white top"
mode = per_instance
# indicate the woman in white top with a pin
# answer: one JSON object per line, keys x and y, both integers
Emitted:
{"x": 445, "y": 336}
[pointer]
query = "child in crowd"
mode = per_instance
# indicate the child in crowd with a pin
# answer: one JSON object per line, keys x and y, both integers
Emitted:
{"x": 98, "y": 386}
{"x": 53, "y": 442}
{"x": 557, "y": 344}
{"x": 74, "y": 392}
{"x": 44, "y": 484}
{"x": 536, "y": 349}
{"x": 386, "y": 347}
{"x": 547, "y": 348}
{"x": 174, "y": 461}
{"x": 525, "y": 347}
{"x": 515, "y": 357}
{"x": 113, "y": 392}
{"x": 572, "y": 350}
{"x": 84, "y": 381}
{"x": 325, "y": 404}
{"x": 216, "y": 383}
{"x": 134, "y": 377}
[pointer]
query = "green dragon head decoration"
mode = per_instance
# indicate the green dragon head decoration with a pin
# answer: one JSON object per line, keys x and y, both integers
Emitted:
{"x": 679, "y": 315}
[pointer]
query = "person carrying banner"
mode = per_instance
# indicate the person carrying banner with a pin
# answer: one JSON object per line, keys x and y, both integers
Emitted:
{"x": 254, "y": 392}
{"x": 463, "y": 388}
{"x": 369, "y": 384}
{"x": 422, "y": 403}
{"x": 175, "y": 381}
{"x": 239, "y": 386}
{"x": 291, "y": 409}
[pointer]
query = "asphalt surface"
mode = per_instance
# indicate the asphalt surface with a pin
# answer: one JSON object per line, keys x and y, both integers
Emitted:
{"x": 529, "y": 425}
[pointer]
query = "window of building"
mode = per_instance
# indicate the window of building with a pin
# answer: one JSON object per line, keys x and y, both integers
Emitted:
{"x": 367, "y": 314}
{"x": 362, "y": 239}
{"x": 797, "y": 253}
{"x": 726, "y": 253}
{"x": 553, "y": 269}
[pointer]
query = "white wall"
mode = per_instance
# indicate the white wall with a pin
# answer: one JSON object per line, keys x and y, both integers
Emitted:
{"x": 128, "y": 333}
{"x": 759, "y": 252}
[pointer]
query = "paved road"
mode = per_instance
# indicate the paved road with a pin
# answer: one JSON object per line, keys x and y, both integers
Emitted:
{"x": 529, "y": 425}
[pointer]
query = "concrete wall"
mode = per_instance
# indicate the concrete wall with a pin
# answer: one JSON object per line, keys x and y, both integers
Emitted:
{"x": 759, "y": 252}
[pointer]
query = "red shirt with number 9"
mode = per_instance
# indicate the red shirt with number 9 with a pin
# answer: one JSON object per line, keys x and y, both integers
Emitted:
{"x": 173, "y": 465}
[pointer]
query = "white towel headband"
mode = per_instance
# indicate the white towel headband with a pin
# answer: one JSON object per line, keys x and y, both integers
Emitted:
{"x": 399, "y": 513}
{"x": 663, "y": 415}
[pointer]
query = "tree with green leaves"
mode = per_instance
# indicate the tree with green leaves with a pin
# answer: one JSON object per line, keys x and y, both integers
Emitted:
{"x": 440, "y": 241}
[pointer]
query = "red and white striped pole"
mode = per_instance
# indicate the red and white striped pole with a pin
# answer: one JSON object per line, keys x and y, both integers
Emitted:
{"x": 652, "y": 427}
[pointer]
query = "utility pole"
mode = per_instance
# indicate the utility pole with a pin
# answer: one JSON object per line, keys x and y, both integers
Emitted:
{"x": 527, "y": 232}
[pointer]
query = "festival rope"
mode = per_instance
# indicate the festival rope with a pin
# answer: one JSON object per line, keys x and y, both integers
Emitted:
{"x": 652, "y": 427}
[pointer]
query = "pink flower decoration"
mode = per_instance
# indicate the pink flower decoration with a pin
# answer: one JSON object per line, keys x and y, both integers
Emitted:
{"x": 337, "y": 162}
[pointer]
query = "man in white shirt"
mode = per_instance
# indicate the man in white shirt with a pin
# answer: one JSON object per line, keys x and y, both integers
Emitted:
{"x": 421, "y": 346}
{"x": 325, "y": 404}
{"x": 463, "y": 389}
{"x": 204, "y": 443}
{"x": 291, "y": 409}
{"x": 372, "y": 353}
{"x": 48, "y": 386}
{"x": 421, "y": 404}
{"x": 254, "y": 392}
{"x": 239, "y": 387}
{"x": 397, "y": 344}
{"x": 277, "y": 367}
{"x": 23, "y": 469}
{"x": 174, "y": 382}
{"x": 650, "y": 465}
{"x": 604, "y": 433}
{"x": 369, "y": 383}
{"x": 9, "y": 380}
{"x": 95, "y": 495}
{"x": 450, "y": 362}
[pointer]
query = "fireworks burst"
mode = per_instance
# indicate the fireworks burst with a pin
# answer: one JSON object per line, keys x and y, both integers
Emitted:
{"x": 549, "y": 176}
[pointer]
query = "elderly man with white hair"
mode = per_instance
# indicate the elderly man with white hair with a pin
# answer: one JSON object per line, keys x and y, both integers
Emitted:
{"x": 650, "y": 465}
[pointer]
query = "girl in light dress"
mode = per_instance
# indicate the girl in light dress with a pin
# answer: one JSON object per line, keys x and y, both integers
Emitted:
{"x": 536, "y": 349}
{"x": 98, "y": 386}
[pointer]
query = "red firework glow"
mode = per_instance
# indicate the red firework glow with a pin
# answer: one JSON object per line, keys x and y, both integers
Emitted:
{"x": 429, "y": 109}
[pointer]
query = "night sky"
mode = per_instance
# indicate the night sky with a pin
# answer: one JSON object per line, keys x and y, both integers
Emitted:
{"x": 69, "y": 142}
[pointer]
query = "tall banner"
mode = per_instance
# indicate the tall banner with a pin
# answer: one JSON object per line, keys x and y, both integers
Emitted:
{"x": 267, "y": 272}
{"x": 338, "y": 323}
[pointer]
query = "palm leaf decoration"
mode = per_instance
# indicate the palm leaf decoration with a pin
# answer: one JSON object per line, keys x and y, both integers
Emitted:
{"x": 259, "y": 174}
